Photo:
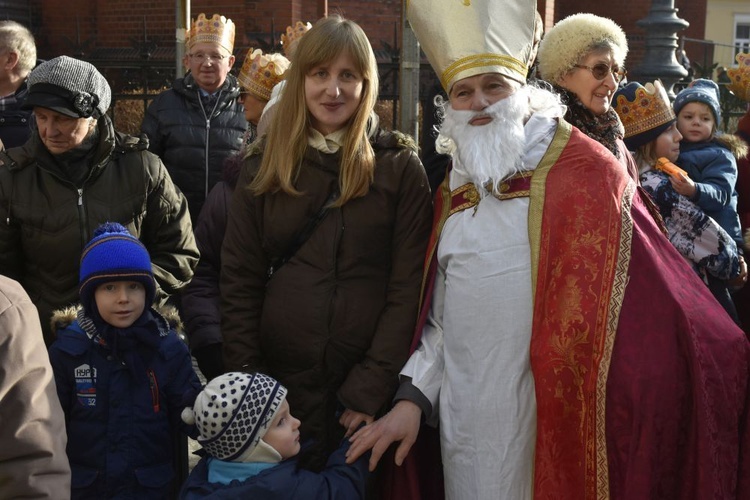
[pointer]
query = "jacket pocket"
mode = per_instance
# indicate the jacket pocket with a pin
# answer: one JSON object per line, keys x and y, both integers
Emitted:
{"x": 155, "y": 476}
{"x": 82, "y": 477}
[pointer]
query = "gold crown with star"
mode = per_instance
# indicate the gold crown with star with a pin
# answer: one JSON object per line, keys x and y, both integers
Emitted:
{"x": 217, "y": 29}
{"x": 292, "y": 35}
{"x": 740, "y": 77}
{"x": 645, "y": 112}
{"x": 261, "y": 72}
{"x": 463, "y": 38}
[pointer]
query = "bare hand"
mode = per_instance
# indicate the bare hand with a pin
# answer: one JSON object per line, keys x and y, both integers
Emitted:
{"x": 400, "y": 424}
{"x": 351, "y": 419}
{"x": 739, "y": 281}
{"x": 683, "y": 184}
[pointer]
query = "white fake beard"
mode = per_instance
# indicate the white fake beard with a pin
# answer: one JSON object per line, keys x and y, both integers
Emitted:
{"x": 491, "y": 152}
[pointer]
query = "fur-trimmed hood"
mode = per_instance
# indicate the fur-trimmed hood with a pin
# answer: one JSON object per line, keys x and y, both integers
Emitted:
{"x": 735, "y": 144}
{"x": 63, "y": 318}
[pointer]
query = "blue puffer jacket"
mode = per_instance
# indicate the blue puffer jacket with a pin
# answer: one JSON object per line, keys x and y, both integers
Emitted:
{"x": 714, "y": 169}
{"x": 338, "y": 481}
{"x": 120, "y": 427}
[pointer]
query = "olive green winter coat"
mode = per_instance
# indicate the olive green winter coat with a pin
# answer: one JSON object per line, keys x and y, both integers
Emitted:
{"x": 46, "y": 219}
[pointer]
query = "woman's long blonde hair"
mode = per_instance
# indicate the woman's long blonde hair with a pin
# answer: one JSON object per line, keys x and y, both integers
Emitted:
{"x": 288, "y": 132}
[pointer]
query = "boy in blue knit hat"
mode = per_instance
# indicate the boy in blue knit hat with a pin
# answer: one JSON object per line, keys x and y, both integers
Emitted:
{"x": 123, "y": 376}
{"x": 710, "y": 160}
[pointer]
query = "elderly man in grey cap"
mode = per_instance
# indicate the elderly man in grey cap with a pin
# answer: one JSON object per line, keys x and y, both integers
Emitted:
{"x": 75, "y": 173}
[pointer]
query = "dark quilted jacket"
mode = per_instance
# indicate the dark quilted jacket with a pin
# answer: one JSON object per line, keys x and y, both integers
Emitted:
{"x": 193, "y": 142}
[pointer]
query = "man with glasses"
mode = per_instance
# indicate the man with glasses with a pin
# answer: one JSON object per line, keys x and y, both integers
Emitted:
{"x": 198, "y": 123}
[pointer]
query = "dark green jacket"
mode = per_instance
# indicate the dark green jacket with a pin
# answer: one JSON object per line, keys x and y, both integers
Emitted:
{"x": 46, "y": 219}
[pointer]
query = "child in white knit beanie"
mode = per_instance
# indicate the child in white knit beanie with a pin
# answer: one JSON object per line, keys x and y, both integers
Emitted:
{"x": 251, "y": 438}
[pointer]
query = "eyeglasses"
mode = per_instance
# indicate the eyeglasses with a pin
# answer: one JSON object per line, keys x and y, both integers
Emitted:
{"x": 601, "y": 71}
{"x": 201, "y": 57}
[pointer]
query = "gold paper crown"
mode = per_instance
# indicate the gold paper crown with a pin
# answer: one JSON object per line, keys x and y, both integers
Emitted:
{"x": 464, "y": 38}
{"x": 261, "y": 72}
{"x": 740, "y": 76}
{"x": 218, "y": 30}
{"x": 293, "y": 33}
{"x": 642, "y": 109}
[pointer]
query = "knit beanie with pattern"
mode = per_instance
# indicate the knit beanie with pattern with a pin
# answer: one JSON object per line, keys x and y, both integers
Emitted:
{"x": 700, "y": 90}
{"x": 113, "y": 254}
{"x": 233, "y": 413}
{"x": 69, "y": 86}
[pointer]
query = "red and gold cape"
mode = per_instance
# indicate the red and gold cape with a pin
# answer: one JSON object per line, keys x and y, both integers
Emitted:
{"x": 641, "y": 377}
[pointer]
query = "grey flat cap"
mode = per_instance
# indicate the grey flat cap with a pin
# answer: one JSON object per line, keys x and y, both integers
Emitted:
{"x": 69, "y": 86}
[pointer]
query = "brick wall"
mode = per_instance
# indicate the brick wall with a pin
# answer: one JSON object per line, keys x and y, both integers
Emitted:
{"x": 61, "y": 24}
{"x": 692, "y": 11}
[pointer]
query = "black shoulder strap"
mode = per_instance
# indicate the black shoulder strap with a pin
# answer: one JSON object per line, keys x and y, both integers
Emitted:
{"x": 303, "y": 235}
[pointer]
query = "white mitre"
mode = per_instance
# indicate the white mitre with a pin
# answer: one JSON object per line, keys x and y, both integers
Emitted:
{"x": 463, "y": 38}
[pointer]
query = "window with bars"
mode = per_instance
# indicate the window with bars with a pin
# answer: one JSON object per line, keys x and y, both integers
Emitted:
{"x": 741, "y": 33}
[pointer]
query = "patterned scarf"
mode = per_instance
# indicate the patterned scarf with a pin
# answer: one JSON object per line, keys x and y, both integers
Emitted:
{"x": 134, "y": 346}
{"x": 605, "y": 128}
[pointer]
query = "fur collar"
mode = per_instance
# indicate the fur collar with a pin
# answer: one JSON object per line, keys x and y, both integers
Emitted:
{"x": 63, "y": 318}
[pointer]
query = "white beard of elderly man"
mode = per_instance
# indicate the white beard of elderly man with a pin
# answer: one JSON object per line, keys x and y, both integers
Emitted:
{"x": 552, "y": 342}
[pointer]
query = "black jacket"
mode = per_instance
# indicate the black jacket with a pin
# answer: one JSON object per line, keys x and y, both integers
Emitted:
{"x": 45, "y": 219}
{"x": 192, "y": 141}
{"x": 15, "y": 123}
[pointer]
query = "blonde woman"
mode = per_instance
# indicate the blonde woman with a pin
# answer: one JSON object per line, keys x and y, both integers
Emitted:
{"x": 322, "y": 259}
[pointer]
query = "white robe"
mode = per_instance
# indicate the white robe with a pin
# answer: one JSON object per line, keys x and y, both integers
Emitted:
{"x": 473, "y": 360}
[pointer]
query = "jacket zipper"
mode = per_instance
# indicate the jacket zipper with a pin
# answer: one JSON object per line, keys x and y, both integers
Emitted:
{"x": 83, "y": 223}
{"x": 154, "y": 385}
{"x": 336, "y": 243}
{"x": 82, "y": 219}
{"x": 208, "y": 134}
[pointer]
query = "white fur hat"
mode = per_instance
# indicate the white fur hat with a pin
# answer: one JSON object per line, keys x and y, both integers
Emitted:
{"x": 569, "y": 40}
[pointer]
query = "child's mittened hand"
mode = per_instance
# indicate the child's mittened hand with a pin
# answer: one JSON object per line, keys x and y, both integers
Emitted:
{"x": 188, "y": 416}
{"x": 683, "y": 184}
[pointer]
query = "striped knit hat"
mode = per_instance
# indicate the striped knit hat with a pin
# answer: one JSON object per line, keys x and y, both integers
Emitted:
{"x": 113, "y": 254}
{"x": 700, "y": 90}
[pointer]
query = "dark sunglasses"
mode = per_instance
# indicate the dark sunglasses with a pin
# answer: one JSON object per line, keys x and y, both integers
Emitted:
{"x": 601, "y": 71}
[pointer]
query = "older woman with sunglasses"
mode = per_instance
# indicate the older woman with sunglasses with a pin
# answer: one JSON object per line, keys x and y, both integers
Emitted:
{"x": 582, "y": 56}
